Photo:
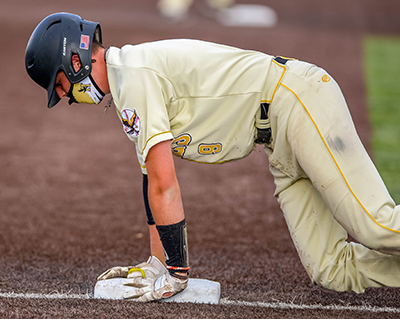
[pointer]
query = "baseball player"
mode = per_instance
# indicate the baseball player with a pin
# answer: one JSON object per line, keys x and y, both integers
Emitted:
{"x": 211, "y": 103}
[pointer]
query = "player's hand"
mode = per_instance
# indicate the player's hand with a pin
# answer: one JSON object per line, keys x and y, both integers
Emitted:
{"x": 150, "y": 280}
{"x": 164, "y": 286}
{"x": 115, "y": 272}
{"x": 139, "y": 274}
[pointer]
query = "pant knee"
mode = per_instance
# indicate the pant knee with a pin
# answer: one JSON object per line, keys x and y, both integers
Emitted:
{"x": 337, "y": 272}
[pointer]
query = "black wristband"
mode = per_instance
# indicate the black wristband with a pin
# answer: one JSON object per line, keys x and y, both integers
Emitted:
{"x": 174, "y": 241}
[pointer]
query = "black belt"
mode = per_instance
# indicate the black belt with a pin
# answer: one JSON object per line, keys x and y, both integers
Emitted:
{"x": 281, "y": 60}
{"x": 264, "y": 134}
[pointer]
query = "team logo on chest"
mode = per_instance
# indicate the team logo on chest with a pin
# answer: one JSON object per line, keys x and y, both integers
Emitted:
{"x": 131, "y": 122}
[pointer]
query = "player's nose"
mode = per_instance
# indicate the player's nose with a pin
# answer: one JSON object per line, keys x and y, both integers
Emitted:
{"x": 60, "y": 92}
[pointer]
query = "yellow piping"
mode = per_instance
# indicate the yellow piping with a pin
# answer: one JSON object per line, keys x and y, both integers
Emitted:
{"x": 279, "y": 82}
{"x": 145, "y": 144}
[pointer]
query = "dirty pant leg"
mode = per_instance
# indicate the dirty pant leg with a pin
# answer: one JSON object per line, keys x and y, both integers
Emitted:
{"x": 315, "y": 139}
{"x": 319, "y": 136}
{"x": 331, "y": 154}
{"x": 320, "y": 241}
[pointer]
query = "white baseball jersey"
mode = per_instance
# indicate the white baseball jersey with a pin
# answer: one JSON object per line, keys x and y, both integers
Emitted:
{"x": 202, "y": 96}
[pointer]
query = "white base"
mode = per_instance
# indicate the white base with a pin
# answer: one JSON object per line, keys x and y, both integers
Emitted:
{"x": 197, "y": 291}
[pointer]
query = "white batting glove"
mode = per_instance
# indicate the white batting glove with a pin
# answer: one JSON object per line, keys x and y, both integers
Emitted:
{"x": 164, "y": 286}
{"x": 114, "y": 272}
{"x": 153, "y": 268}
{"x": 150, "y": 280}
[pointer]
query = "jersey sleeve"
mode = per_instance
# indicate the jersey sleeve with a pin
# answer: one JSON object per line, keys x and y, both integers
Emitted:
{"x": 142, "y": 109}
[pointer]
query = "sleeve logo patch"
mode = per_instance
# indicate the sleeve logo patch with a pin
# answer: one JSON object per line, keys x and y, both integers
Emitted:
{"x": 131, "y": 122}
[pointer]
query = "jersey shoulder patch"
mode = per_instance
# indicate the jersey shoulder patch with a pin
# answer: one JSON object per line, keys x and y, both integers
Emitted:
{"x": 131, "y": 122}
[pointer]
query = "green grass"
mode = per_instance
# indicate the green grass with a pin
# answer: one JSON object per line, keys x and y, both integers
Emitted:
{"x": 382, "y": 67}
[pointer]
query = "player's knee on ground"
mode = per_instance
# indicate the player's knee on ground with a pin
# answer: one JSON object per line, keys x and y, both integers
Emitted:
{"x": 338, "y": 271}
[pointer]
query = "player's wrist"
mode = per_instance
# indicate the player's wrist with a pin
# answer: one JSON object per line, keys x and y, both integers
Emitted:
{"x": 174, "y": 240}
{"x": 181, "y": 273}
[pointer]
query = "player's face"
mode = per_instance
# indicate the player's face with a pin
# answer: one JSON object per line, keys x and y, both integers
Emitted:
{"x": 62, "y": 85}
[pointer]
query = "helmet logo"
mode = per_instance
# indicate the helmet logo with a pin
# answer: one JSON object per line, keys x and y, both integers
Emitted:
{"x": 84, "y": 42}
{"x": 65, "y": 46}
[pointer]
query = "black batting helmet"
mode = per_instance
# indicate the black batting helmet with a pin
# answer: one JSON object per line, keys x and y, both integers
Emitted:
{"x": 51, "y": 46}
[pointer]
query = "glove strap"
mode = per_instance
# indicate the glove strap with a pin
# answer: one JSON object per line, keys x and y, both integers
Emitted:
{"x": 179, "y": 272}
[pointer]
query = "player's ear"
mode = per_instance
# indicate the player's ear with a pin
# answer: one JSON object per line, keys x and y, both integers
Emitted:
{"x": 76, "y": 62}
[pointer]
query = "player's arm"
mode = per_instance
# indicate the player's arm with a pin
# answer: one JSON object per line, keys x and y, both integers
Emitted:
{"x": 167, "y": 208}
{"x": 164, "y": 192}
{"x": 151, "y": 280}
{"x": 156, "y": 247}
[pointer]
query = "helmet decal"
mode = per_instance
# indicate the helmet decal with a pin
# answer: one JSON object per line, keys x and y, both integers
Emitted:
{"x": 65, "y": 46}
{"x": 84, "y": 42}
